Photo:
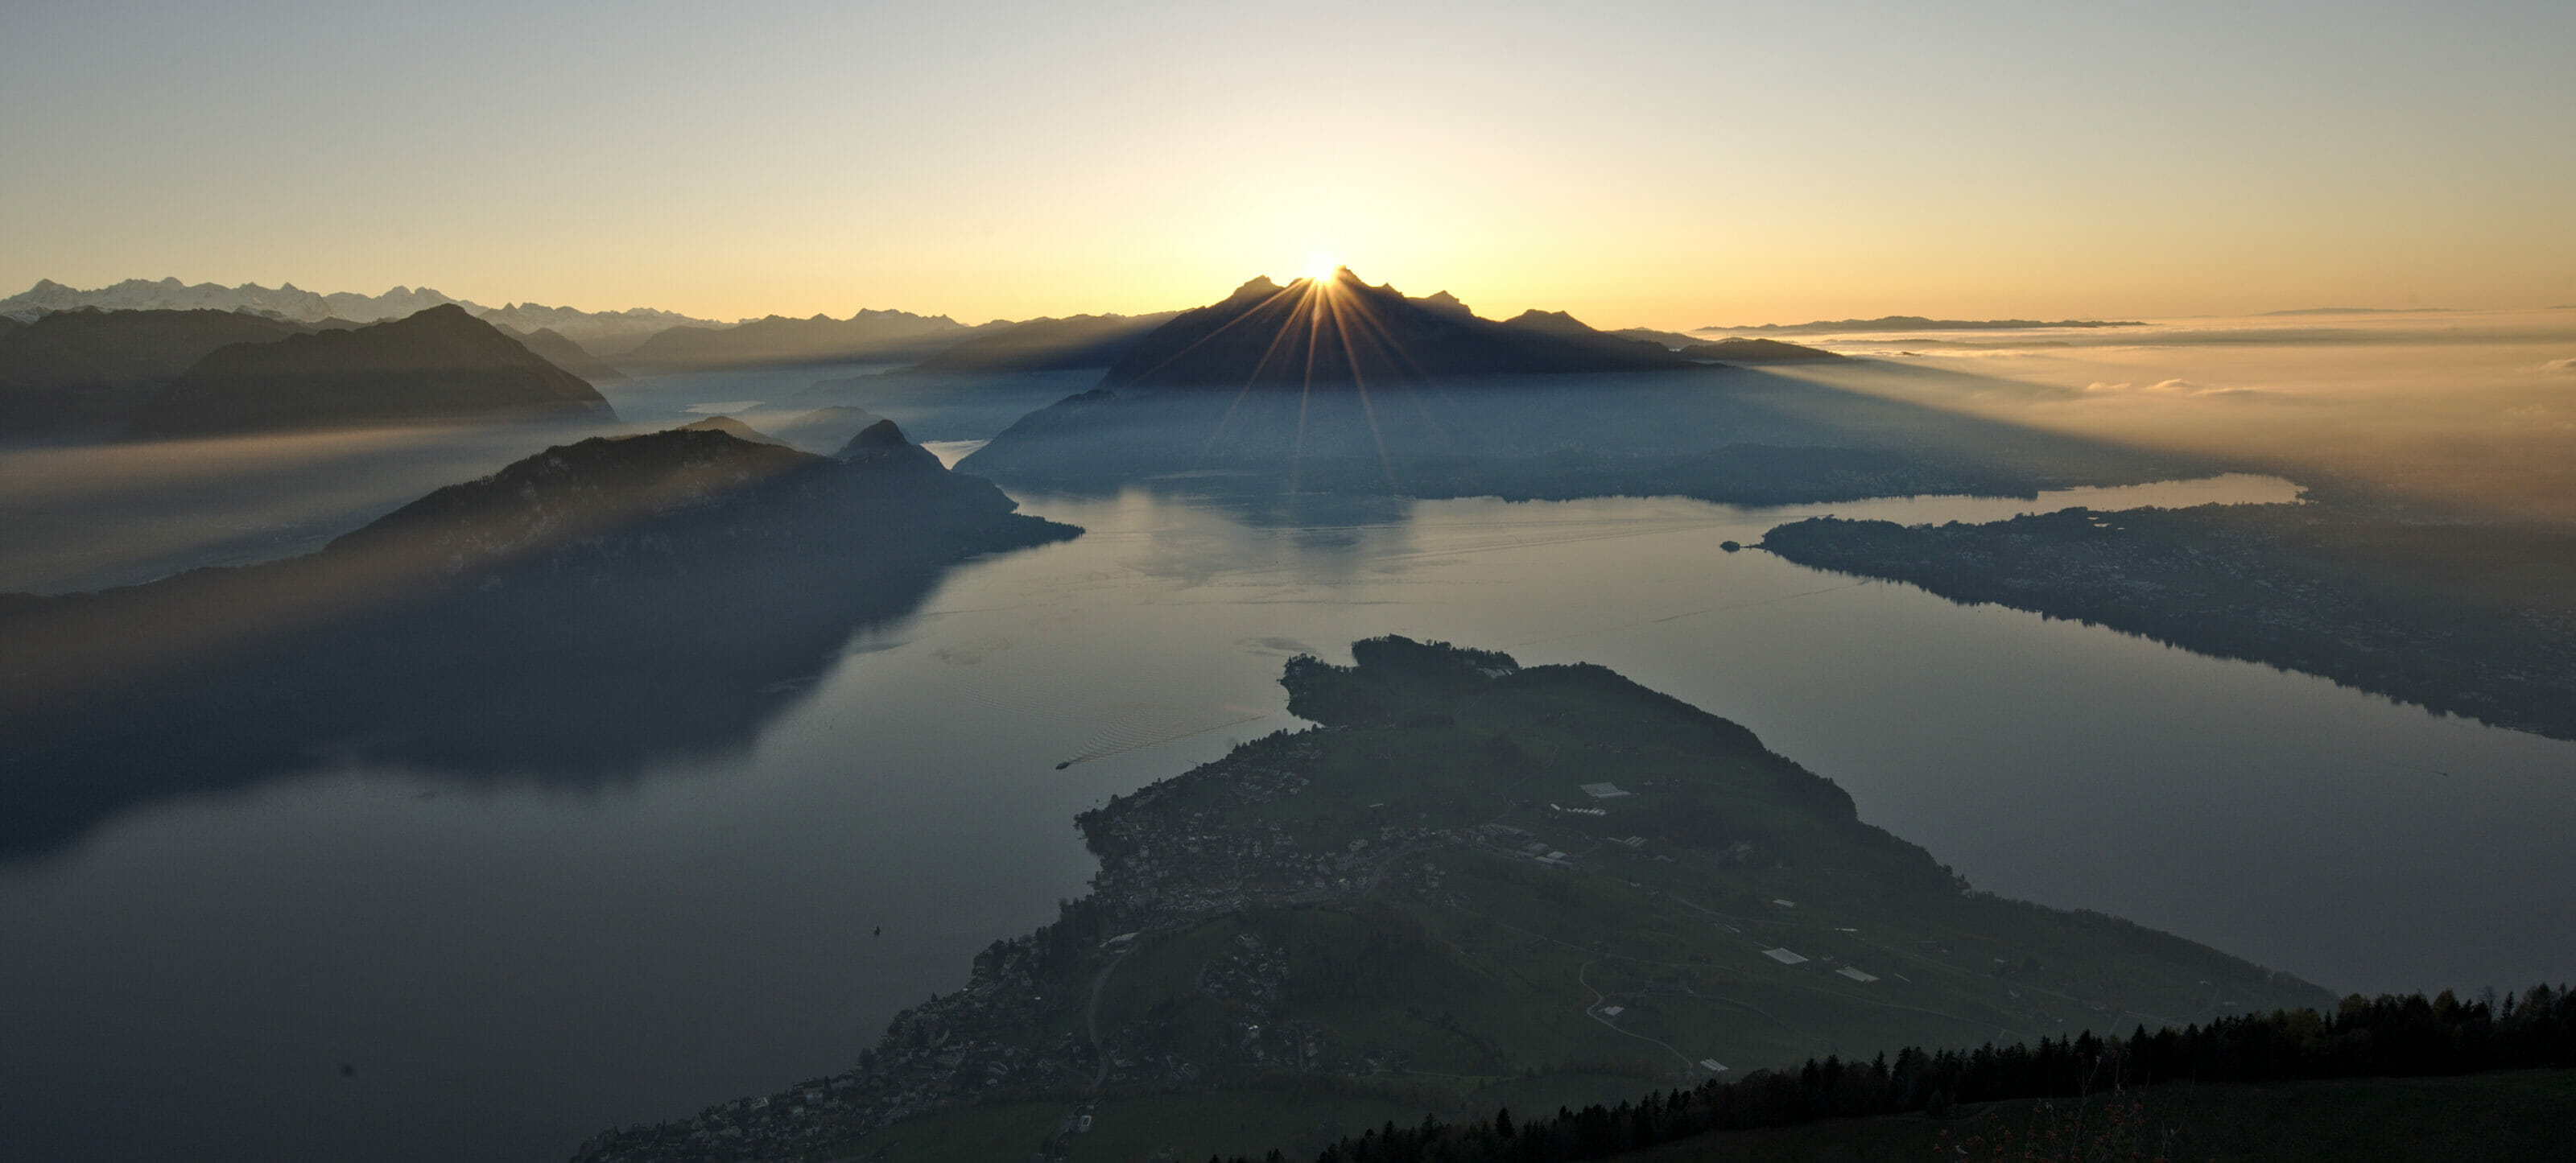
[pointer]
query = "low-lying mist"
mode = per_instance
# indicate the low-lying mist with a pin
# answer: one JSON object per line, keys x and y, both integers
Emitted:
{"x": 88, "y": 515}
{"x": 2455, "y": 414}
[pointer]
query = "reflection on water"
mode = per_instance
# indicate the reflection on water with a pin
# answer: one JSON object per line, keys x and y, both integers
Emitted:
{"x": 510, "y": 968}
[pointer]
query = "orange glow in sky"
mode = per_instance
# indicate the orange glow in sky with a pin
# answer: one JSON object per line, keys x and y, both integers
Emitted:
{"x": 1660, "y": 164}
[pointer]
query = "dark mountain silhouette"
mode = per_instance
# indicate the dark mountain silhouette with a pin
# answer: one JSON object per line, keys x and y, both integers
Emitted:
{"x": 603, "y": 333}
{"x": 733, "y": 428}
{"x": 439, "y": 365}
{"x": 1919, "y": 323}
{"x": 8, "y": 324}
{"x": 1044, "y": 345}
{"x": 824, "y": 429}
{"x": 563, "y": 353}
{"x": 99, "y": 367}
{"x": 565, "y": 619}
{"x": 1738, "y": 349}
{"x": 1670, "y": 339}
{"x": 1341, "y": 331}
{"x": 1539, "y": 406}
{"x": 883, "y": 443}
{"x": 778, "y": 340}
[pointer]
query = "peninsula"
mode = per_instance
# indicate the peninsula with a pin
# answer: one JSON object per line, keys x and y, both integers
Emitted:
{"x": 2476, "y": 620}
{"x": 1472, "y": 884}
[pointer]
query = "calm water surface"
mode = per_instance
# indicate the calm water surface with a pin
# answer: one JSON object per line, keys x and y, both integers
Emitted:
{"x": 507, "y": 967}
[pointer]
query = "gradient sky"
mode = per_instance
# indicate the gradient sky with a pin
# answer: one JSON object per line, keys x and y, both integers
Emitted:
{"x": 1665, "y": 164}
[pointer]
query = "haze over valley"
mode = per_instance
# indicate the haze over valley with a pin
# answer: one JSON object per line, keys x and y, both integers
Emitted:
{"x": 1398, "y": 584}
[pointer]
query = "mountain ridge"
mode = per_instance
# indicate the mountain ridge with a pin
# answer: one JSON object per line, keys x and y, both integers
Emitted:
{"x": 1340, "y": 330}
{"x": 441, "y": 364}
{"x": 89, "y": 366}
{"x": 600, "y": 332}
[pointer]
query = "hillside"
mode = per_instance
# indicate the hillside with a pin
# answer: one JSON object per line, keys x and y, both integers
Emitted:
{"x": 99, "y": 367}
{"x": 563, "y": 353}
{"x": 440, "y": 365}
{"x": 824, "y": 429}
{"x": 733, "y": 428}
{"x": 2472, "y": 620}
{"x": 566, "y": 619}
{"x": 1472, "y": 885}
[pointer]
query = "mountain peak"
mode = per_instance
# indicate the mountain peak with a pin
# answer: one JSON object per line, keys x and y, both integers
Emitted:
{"x": 882, "y": 434}
{"x": 1260, "y": 286}
{"x": 733, "y": 428}
{"x": 441, "y": 364}
{"x": 1552, "y": 321}
{"x": 1342, "y": 331}
{"x": 1444, "y": 301}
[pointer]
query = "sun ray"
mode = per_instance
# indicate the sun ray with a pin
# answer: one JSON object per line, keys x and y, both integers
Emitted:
{"x": 1359, "y": 382}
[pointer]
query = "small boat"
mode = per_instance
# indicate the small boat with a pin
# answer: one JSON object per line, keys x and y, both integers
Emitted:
{"x": 1063, "y": 765}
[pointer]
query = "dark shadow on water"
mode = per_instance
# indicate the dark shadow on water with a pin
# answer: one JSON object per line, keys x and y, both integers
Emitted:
{"x": 578, "y": 665}
{"x": 1730, "y": 435}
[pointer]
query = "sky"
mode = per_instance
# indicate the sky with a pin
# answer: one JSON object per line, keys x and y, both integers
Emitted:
{"x": 1670, "y": 165}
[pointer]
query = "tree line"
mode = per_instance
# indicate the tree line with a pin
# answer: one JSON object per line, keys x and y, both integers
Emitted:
{"x": 2385, "y": 1036}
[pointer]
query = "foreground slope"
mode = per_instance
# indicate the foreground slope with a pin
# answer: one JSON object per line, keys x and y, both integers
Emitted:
{"x": 564, "y": 619}
{"x": 1474, "y": 884}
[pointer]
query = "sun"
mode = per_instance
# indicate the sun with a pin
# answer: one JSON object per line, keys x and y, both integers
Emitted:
{"x": 1322, "y": 267}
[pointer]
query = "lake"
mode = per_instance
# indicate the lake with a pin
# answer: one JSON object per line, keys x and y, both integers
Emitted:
{"x": 504, "y": 966}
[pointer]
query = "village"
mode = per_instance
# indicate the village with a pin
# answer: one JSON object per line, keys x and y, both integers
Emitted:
{"x": 1164, "y": 869}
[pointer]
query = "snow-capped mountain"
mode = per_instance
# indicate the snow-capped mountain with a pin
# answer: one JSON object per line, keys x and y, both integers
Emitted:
{"x": 599, "y": 331}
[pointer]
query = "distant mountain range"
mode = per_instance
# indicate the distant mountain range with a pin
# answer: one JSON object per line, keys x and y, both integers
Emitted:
{"x": 1042, "y": 345}
{"x": 438, "y": 365}
{"x": 1340, "y": 330}
{"x": 891, "y": 336}
{"x": 1915, "y": 323}
{"x": 605, "y": 333}
{"x": 1436, "y": 334}
{"x": 601, "y": 332}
